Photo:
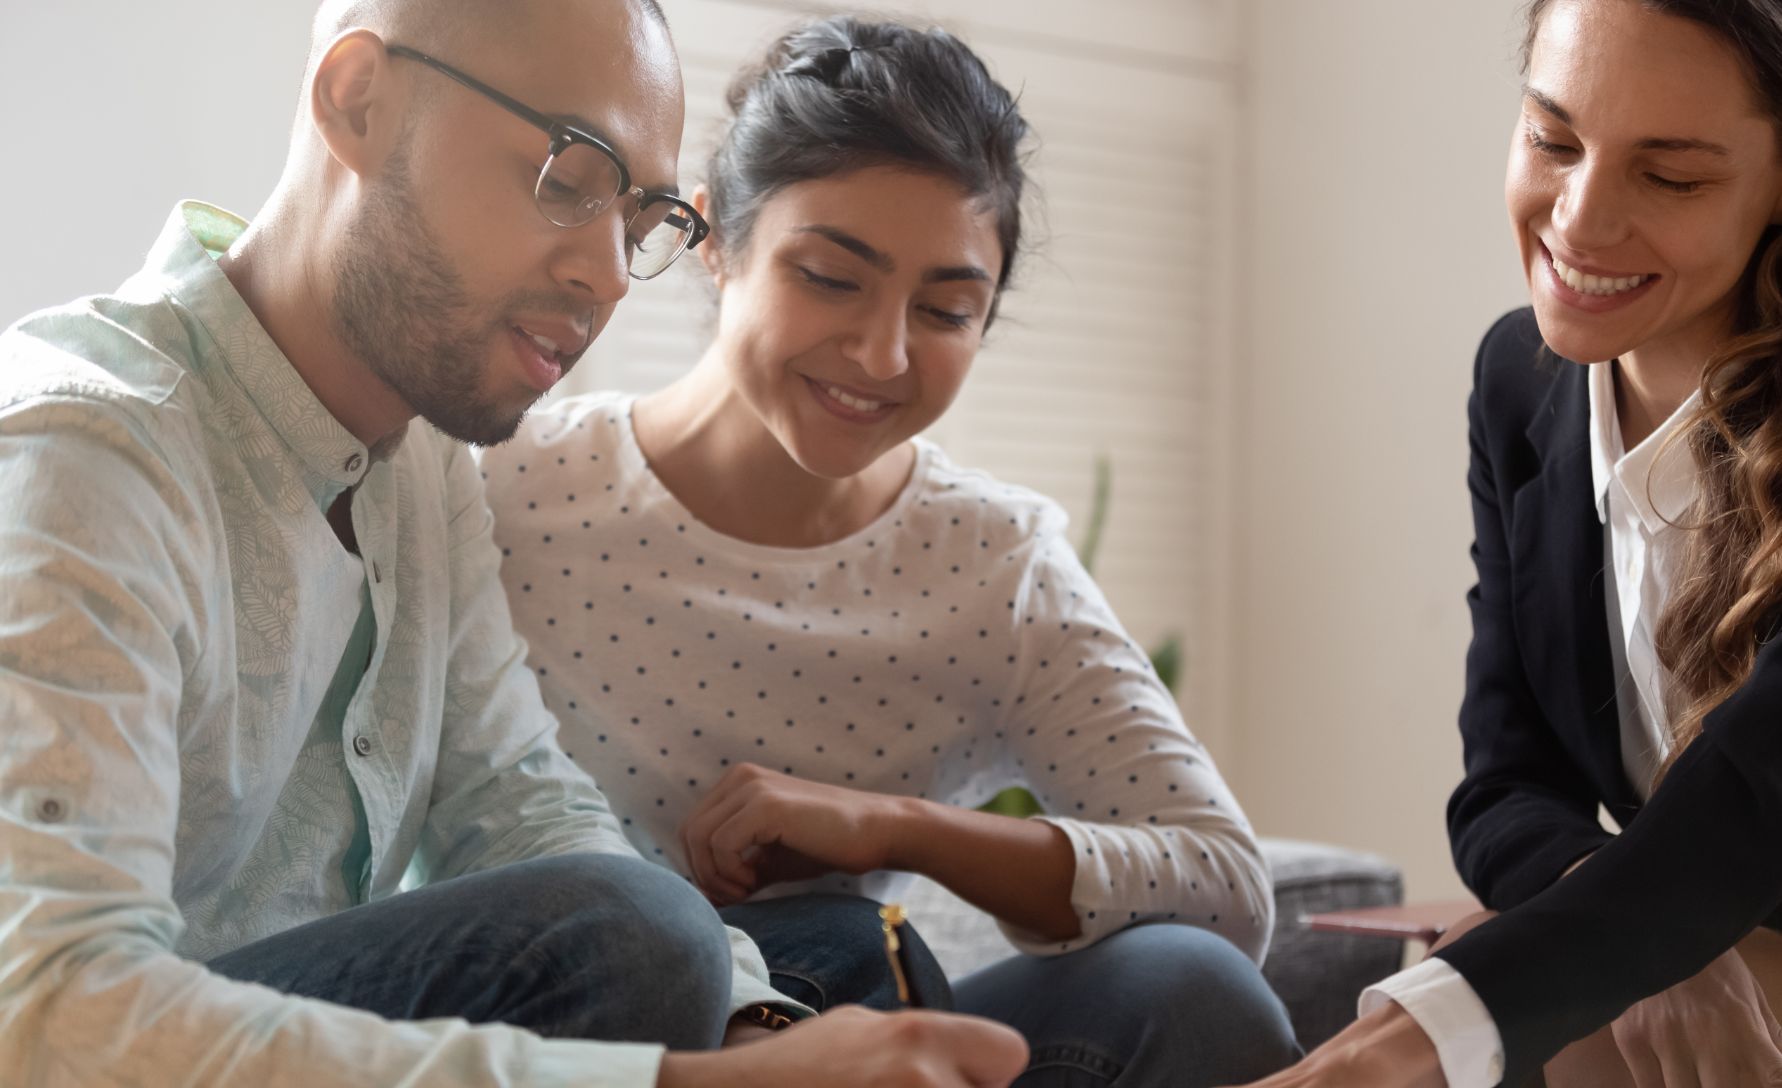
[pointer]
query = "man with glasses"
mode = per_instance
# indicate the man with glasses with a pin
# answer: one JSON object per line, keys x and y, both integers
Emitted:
{"x": 257, "y": 674}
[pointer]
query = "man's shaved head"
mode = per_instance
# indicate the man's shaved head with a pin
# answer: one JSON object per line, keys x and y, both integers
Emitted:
{"x": 433, "y": 24}
{"x": 478, "y": 33}
{"x": 412, "y": 197}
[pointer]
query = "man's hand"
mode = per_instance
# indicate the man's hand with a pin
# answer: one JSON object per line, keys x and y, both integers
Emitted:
{"x": 864, "y": 1049}
{"x": 1384, "y": 1049}
{"x": 1713, "y": 1031}
{"x": 759, "y": 827}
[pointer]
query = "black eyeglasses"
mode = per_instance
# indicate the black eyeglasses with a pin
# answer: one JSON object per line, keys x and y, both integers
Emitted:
{"x": 582, "y": 176}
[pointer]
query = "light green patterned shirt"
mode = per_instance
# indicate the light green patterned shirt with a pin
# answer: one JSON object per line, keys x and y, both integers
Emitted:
{"x": 174, "y": 610}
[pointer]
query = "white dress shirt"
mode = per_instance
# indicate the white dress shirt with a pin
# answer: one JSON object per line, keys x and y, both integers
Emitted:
{"x": 1641, "y": 495}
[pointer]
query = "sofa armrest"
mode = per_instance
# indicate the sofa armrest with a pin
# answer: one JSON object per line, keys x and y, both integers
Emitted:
{"x": 1318, "y": 976}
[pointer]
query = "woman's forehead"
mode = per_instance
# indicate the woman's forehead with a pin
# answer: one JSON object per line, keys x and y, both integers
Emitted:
{"x": 1617, "y": 64}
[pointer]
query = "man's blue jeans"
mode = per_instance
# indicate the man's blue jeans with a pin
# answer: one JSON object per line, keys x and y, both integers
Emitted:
{"x": 587, "y": 946}
{"x": 1150, "y": 1006}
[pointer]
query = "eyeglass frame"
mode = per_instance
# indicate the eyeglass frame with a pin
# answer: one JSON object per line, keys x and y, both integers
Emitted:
{"x": 562, "y": 135}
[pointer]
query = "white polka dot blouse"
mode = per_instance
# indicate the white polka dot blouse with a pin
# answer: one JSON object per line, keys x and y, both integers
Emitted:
{"x": 950, "y": 649}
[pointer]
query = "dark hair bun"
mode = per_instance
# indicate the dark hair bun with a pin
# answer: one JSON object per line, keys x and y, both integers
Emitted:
{"x": 845, "y": 93}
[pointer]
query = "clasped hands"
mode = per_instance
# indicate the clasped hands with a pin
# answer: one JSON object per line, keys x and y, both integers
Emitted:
{"x": 759, "y": 827}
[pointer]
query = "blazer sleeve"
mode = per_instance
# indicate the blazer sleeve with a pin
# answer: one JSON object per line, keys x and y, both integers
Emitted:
{"x": 1525, "y": 810}
{"x": 1692, "y": 874}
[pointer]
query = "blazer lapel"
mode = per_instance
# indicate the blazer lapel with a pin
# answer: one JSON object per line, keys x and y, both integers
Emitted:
{"x": 1556, "y": 554}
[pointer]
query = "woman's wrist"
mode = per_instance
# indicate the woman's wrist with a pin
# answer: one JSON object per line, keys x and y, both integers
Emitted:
{"x": 906, "y": 826}
{"x": 1386, "y": 1048}
{"x": 1020, "y": 871}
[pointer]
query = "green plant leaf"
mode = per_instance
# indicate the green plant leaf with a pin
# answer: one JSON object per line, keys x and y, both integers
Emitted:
{"x": 1098, "y": 511}
{"x": 1166, "y": 658}
{"x": 1013, "y": 801}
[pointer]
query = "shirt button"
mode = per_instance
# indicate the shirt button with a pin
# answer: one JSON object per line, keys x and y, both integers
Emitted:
{"x": 51, "y": 811}
{"x": 353, "y": 463}
{"x": 362, "y": 745}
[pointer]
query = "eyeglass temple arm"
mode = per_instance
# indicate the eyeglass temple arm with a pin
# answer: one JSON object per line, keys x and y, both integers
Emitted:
{"x": 514, "y": 106}
{"x": 700, "y": 228}
{"x": 550, "y": 126}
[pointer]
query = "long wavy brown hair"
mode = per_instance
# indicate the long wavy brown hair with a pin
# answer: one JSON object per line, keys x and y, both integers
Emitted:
{"x": 1726, "y": 595}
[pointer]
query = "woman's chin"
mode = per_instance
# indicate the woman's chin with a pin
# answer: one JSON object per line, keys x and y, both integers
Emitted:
{"x": 832, "y": 464}
{"x": 1581, "y": 340}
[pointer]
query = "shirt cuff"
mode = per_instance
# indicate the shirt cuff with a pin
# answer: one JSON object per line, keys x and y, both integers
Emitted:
{"x": 1444, "y": 1005}
{"x": 749, "y": 980}
{"x": 568, "y": 1062}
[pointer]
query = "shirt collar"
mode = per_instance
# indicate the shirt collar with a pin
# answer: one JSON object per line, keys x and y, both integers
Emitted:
{"x": 1605, "y": 435}
{"x": 184, "y": 260}
{"x": 1658, "y": 488}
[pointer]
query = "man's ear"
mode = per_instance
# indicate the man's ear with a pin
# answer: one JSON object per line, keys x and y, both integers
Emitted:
{"x": 356, "y": 102}
{"x": 711, "y": 252}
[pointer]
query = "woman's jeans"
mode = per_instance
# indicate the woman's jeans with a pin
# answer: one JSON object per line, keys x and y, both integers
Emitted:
{"x": 586, "y": 946}
{"x": 1151, "y": 1005}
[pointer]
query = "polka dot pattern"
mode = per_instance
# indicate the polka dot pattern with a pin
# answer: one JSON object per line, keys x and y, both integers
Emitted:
{"x": 952, "y": 648}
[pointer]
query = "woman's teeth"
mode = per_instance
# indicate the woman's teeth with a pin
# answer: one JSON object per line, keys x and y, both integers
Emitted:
{"x": 1595, "y": 285}
{"x": 859, "y": 404}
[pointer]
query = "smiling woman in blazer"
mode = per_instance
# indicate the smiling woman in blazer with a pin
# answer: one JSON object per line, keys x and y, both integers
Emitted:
{"x": 1628, "y": 521}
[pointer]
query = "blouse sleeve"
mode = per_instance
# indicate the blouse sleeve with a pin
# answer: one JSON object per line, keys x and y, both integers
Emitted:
{"x": 1100, "y": 741}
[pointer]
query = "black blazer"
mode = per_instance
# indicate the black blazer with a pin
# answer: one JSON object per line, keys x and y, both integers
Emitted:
{"x": 1697, "y": 867}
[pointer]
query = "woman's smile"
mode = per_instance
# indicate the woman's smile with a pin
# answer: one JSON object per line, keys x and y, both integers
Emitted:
{"x": 850, "y": 404}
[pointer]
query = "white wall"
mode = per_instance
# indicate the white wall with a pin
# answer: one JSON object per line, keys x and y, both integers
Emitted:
{"x": 112, "y": 110}
{"x": 1379, "y": 252}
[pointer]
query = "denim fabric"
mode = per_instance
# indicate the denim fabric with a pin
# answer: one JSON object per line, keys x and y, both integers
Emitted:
{"x": 1147, "y": 1006}
{"x": 827, "y": 950}
{"x": 1156, "y": 1005}
{"x": 590, "y": 946}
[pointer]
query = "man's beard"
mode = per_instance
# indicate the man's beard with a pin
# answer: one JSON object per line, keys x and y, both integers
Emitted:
{"x": 400, "y": 306}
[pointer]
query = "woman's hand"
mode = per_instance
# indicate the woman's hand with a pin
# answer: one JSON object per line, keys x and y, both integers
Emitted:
{"x": 1384, "y": 1049}
{"x": 1715, "y": 1030}
{"x": 759, "y": 827}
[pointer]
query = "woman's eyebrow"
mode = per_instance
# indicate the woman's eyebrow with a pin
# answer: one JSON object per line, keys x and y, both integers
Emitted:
{"x": 1547, "y": 102}
{"x": 1680, "y": 143}
{"x": 884, "y": 263}
{"x": 970, "y": 273}
{"x": 858, "y": 248}
{"x": 1650, "y": 143}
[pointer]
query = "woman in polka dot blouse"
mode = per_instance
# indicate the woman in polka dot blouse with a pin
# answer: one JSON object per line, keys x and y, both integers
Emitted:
{"x": 796, "y": 644}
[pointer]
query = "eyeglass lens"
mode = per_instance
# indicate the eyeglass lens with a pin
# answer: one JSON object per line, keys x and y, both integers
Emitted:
{"x": 661, "y": 231}
{"x": 579, "y": 182}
